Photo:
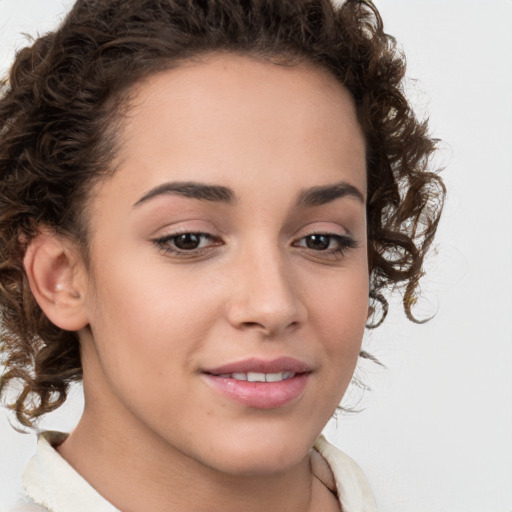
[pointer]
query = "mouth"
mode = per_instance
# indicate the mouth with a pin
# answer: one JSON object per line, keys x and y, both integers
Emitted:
{"x": 261, "y": 384}
{"x": 259, "y": 377}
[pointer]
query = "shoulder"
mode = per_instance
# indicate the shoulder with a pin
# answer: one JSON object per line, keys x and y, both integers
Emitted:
{"x": 353, "y": 489}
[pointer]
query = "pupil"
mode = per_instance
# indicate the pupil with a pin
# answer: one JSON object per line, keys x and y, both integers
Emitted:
{"x": 318, "y": 242}
{"x": 187, "y": 241}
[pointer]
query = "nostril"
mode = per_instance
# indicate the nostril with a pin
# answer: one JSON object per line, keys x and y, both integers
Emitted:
{"x": 253, "y": 325}
{"x": 269, "y": 329}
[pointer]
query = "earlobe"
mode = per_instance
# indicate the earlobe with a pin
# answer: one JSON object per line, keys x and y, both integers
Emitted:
{"x": 57, "y": 280}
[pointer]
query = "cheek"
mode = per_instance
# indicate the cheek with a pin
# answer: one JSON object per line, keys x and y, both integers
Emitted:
{"x": 144, "y": 334}
{"x": 338, "y": 314}
{"x": 341, "y": 300}
{"x": 143, "y": 314}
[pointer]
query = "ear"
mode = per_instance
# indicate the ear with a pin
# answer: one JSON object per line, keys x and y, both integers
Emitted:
{"x": 57, "y": 279}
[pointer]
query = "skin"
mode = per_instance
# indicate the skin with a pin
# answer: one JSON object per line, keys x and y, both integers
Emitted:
{"x": 153, "y": 320}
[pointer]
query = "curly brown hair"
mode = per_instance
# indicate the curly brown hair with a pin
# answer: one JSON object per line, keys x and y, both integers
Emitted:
{"x": 64, "y": 95}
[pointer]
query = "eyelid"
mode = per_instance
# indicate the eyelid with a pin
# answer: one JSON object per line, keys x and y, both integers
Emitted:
{"x": 164, "y": 238}
{"x": 168, "y": 225}
{"x": 338, "y": 235}
{"x": 348, "y": 240}
{"x": 322, "y": 227}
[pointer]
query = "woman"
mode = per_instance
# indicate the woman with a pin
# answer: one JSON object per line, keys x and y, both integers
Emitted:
{"x": 203, "y": 204}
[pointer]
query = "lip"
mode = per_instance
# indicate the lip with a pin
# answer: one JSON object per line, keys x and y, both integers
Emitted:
{"x": 260, "y": 395}
{"x": 254, "y": 364}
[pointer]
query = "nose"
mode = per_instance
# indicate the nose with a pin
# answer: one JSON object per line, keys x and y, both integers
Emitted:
{"x": 265, "y": 294}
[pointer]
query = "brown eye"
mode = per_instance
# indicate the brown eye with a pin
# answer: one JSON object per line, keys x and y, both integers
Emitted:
{"x": 187, "y": 241}
{"x": 187, "y": 244}
{"x": 318, "y": 242}
{"x": 331, "y": 245}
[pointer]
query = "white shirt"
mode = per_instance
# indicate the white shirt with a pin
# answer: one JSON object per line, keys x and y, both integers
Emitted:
{"x": 52, "y": 485}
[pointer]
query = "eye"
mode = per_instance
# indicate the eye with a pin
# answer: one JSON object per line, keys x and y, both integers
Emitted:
{"x": 189, "y": 241}
{"x": 186, "y": 243}
{"x": 325, "y": 242}
{"x": 319, "y": 242}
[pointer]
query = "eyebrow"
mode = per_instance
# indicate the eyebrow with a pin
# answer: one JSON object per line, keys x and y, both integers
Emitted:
{"x": 316, "y": 196}
{"x": 192, "y": 190}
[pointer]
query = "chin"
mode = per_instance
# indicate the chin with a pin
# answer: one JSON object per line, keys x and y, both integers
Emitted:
{"x": 260, "y": 465}
{"x": 263, "y": 454}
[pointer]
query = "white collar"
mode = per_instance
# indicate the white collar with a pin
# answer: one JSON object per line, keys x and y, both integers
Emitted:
{"x": 352, "y": 486}
{"x": 51, "y": 482}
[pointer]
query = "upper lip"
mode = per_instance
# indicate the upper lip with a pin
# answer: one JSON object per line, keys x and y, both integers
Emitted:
{"x": 281, "y": 364}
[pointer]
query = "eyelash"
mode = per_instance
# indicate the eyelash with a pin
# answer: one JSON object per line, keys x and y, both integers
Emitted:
{"x": 344, "y": 244}
{"x": 164, "y": 244}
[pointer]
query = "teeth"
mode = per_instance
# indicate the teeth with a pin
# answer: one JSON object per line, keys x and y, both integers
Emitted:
{"x": 256, "y": 377}
{"x": 273, "y": 377}
{"x": 261, "y": 377}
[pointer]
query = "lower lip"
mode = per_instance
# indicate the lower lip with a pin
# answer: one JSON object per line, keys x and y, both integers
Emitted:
{"x": 260, "y": 395}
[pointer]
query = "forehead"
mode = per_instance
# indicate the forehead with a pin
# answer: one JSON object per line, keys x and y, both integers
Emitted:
{"x": 240, "y": 122}
{"x": 239, "y": 98}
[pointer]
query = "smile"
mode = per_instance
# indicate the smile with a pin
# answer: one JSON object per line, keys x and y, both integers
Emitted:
{"x": 260, "y": 384}
{"x": 259, "y": 377}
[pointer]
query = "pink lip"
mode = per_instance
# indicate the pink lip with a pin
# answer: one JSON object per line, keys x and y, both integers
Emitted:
{"x": 281, "y": 364}
{"x": 261, "y": 395}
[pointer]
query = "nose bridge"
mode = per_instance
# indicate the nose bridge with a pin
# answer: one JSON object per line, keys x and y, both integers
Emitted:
{"x": 266, "y": 296}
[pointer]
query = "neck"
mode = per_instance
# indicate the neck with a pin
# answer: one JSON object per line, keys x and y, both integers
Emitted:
{"x": 155, "y": 476}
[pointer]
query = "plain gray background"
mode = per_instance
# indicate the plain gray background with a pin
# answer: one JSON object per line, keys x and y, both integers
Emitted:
{"x": 435, "y": 433}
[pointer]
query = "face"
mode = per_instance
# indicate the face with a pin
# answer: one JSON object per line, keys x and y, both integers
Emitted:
{"x": 228, "y": 277}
